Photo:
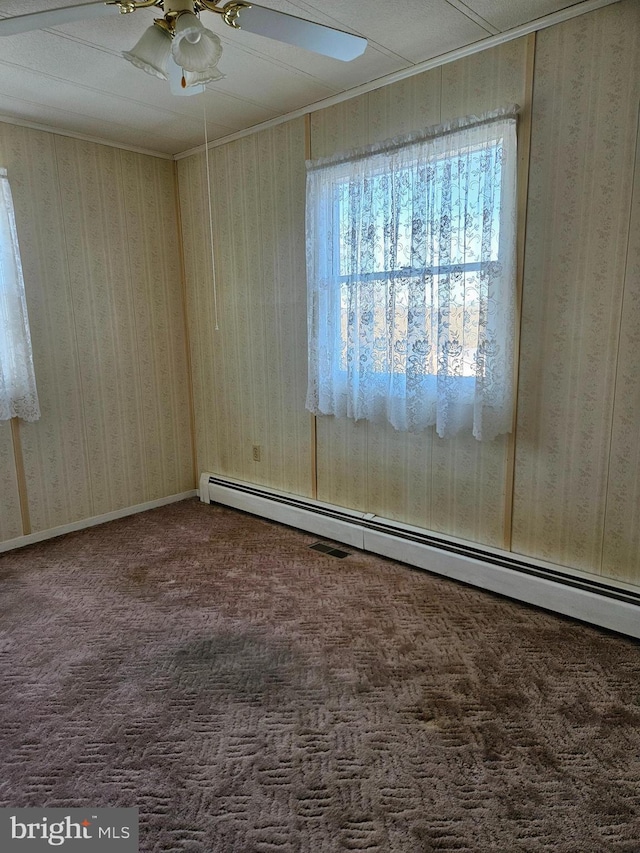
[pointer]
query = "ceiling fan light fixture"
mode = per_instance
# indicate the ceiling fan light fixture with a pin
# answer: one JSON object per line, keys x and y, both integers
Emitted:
{"x": 152, "y": 52}
{"x": 192, "y": 55}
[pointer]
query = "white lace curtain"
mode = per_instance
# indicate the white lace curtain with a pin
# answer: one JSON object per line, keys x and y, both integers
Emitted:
{"x": 18, "y": 394}
{"x": 411, "y": 266}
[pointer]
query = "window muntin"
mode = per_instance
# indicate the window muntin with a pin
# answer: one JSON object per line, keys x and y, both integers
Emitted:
{"x": 416, "y": 257}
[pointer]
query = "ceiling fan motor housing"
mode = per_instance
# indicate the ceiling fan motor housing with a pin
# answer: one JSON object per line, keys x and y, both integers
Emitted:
{"x": 173, "y": 7}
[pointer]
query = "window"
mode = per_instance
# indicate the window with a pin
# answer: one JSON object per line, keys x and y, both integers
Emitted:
{"x": 411, "y": 276}
{"x": 18, "y": 395}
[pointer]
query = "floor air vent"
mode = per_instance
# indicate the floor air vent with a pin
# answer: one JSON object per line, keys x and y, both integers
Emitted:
{"x": 329, "y": 549}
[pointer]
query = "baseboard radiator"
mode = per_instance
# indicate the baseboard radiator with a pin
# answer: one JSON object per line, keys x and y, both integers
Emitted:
{"x": 611, "y": 605}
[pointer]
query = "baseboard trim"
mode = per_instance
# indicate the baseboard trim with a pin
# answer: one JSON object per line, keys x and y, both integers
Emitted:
{"x": 579, "y": 595}
{"x": 42, "y": 535}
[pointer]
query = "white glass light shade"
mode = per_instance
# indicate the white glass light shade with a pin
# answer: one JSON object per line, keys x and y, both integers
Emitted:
{"x": 194, "y": 47}
{"x": 193, "y": 78}
{"x": 152, "y": 52}
{"x": 194, "y": 81}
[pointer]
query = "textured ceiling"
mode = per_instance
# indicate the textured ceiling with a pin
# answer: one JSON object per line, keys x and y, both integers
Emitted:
{"x": 73, "y": 78}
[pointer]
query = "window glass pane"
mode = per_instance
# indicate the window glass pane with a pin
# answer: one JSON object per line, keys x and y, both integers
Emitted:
{"x": 418, "y": 236}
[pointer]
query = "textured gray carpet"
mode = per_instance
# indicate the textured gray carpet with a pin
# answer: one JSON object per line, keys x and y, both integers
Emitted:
{"x": 249, "y": 694}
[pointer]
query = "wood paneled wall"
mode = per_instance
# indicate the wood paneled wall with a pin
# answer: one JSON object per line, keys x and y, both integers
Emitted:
{"x": 101, "y": 256}
{"x": 250, "y": 374}
{"x": 576, "y": 452}
{"x": 566, "y": 486}
{"x": 621, "y": 543}
{"x": 102, "y": 264}
{"x": 452, "y": 486}
{"x": 10, "y": 515}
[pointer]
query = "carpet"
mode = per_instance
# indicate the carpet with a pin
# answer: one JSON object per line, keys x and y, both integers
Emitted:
{"x": 250, "y": 694}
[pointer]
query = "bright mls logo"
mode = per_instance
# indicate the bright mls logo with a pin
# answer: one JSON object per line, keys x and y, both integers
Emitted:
{"x": 79, "y": 830}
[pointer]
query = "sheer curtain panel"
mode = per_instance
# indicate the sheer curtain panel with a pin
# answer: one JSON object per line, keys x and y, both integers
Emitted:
{"x": 18, "y": 394}
{"x": 411, "y": 266}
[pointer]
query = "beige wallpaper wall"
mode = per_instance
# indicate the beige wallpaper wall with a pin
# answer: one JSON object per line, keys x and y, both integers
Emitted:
{"x": 576, "y": 452}
{"x": 99, "y": 240}
{"x": 250, "y": 374}
{"x": 566, "y": 486}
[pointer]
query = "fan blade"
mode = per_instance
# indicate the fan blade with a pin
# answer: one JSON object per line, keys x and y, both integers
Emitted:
{"x": 297, "y": 31}
{"x": 54, "y": 17}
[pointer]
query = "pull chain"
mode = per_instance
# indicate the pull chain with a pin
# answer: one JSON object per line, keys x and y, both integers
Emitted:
{"x": 213, "y": 259}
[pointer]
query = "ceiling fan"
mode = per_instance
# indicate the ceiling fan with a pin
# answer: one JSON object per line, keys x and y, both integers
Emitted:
{"x": 178, "y": 48}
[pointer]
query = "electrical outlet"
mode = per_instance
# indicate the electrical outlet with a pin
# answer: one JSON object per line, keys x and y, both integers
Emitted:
{"x": 256, "y": 452}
